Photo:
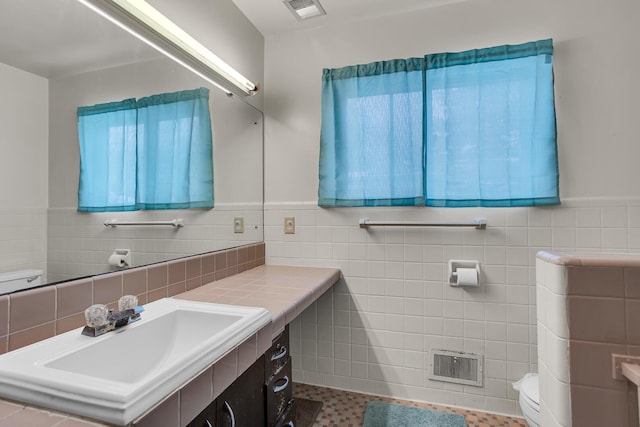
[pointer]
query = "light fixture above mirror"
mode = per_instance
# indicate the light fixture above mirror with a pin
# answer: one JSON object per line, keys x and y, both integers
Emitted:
{"x": 145, "y": 22}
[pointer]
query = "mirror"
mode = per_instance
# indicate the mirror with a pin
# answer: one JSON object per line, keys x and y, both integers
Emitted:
{"x": 56, "y": 55}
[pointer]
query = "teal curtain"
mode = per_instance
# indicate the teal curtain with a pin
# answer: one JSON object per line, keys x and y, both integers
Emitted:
{"x": 474, "y": 128}
{"x": 490, "y": 131}
{"x": 107, "y": 134}
{"x": 155, "y": 153}
{"x": 371, "y": 136}
{"x": 175, "y": 159}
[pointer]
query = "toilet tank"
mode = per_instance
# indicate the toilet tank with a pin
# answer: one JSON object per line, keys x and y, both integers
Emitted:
{"x": 16, "y": 280}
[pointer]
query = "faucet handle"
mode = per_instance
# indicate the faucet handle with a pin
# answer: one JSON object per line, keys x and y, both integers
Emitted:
{"x": 127, "y": 301}
{"x": 129, "y": 304}
{"x": 96, "y": 315}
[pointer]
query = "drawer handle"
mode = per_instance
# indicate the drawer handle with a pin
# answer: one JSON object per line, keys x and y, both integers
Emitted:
{"x": 279, "y": 388}
{"x": 230, "y": 411}
{"x": 208, "y": 423}
{"x": 280, "y": 354}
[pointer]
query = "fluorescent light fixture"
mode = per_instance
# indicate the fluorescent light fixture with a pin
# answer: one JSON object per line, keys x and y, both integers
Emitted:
{"x": 145, "y": 22}
{"x": 305, "y": 9}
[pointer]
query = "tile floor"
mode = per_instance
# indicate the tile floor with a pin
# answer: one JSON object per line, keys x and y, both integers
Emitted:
{"x": 346, "y": 409}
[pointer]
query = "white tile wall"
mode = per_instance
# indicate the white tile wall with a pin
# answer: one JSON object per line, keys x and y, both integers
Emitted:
{"x": 376, "y": 326}
{"x": 24, "y": 239}
{"x": 79, "y": 244}
{"x": 553, "y": 344}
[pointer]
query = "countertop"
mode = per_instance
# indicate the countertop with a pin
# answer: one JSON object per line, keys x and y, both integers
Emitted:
{"x": 283, "y": 290}
{"x": 598, "y": 259}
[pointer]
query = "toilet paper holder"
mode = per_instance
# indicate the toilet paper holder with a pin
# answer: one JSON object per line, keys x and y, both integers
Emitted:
{"x": 455, "y": 264}
{"x": 120, "y": 258}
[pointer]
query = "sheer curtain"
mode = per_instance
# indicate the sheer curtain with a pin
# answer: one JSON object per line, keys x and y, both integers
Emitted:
{"x": 474, "y": 128}
{"x": 490, "y": 133}
{"x": 107, "y": 135}
{"x": 154, "y": 153}
{"x": 175, "y": 160}
{"x": 371, "y": 136}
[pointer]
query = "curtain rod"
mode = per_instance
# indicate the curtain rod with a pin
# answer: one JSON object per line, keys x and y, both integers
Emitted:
{"x": 477, "y": 223}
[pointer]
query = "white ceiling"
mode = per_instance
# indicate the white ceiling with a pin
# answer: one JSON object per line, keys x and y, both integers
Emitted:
{"x": 272, "y": 17}
{"x": 58, "y": 37}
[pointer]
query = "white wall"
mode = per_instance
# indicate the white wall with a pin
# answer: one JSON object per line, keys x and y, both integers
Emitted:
{"x": 371, "y": 332}
{"x": 595, "y": 65}
{"x": 24, "y": 108}
{"x": 24, "y": 118}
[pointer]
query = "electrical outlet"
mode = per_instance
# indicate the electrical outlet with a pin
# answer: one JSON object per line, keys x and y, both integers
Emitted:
{"x": 289, "y": 225}
{"x": 238, "y": 224}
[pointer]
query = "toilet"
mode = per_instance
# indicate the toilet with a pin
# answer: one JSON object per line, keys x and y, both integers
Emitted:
{"x": 17, "y": 280}
{"x": 529, "y": 399}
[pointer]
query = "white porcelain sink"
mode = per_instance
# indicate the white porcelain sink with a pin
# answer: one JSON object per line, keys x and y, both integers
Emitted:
{"x": 119, "y": 376}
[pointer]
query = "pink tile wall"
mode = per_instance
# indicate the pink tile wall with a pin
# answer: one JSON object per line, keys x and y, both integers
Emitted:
{"x": 33, "y": 315}
{"x": 604, "y": 318}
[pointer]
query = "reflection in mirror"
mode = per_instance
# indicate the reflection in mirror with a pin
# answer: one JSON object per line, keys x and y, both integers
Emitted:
{"x": 68, "y": 56}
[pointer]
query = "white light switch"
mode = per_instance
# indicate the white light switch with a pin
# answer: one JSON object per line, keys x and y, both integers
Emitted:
{"x": 238, "y": 224}
{"x": 289, "y": 225}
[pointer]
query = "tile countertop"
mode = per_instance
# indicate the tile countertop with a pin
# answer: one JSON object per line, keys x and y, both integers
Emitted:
{"x": 284, "y": 291}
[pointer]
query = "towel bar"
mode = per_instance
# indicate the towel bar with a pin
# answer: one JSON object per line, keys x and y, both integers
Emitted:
{"x": 176, "y": 223}
{"x": 477, "y": 223}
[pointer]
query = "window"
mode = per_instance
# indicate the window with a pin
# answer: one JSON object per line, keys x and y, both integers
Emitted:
{"x": 474, "y": 128}
{"x": 153, "y": 153}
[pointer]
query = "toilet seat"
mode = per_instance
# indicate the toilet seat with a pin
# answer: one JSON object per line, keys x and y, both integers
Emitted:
{"x": 530, "y": 399}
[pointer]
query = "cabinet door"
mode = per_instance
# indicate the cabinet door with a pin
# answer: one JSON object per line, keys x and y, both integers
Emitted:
{"x": 242, "y": 404}
{"x": 278, "y": 392}
{"x": 277, "y": 355}
{"x": 288, "y": 418}
{"x": 206, "y": 418}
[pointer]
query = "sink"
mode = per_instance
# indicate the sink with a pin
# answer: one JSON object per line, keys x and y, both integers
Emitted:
{"x": 119, "y": 376}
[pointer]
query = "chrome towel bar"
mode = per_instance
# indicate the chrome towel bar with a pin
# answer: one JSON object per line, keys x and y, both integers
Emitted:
{"x": 176, "y": 223}
{"x": 477, "y": 223}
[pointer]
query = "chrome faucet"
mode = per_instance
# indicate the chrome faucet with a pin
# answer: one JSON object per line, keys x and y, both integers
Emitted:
{"x": 101, "y": 320}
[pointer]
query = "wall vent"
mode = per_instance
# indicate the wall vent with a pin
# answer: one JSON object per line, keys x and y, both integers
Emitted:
{"x": 455, "y": 367}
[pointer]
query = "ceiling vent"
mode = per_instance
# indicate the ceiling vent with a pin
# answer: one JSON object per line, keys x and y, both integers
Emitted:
{"x": 305, "y": 9}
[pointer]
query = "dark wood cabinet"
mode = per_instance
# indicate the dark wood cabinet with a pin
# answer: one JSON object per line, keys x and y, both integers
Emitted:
{"x": 242, "y": 404}
{"x": 288, "y": 418}
{"x": 260, "y": 397}
{"x": 278, "y": 393}
{"x": 278, "y": 381}
{"x": 206, "y": 418}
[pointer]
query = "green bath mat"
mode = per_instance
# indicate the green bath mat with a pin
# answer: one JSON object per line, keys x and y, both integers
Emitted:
{"x": 382, "y": 414}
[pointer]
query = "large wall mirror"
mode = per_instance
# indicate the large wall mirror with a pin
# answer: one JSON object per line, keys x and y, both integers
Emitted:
{"x": 56, "y": 55}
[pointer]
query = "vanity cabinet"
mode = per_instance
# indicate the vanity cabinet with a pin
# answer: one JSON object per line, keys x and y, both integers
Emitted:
{"x": 288, "y": 418}
{"x": 206, "y": 418}
{"x": 260, "y": 397}
{"x": 242, "y": 403}
{"x": 278, "y": 381}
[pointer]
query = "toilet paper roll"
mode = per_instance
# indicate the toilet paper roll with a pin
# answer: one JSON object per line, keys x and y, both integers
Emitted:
{"x": 467, "y": 277}
{"x": 116, "y": 260}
